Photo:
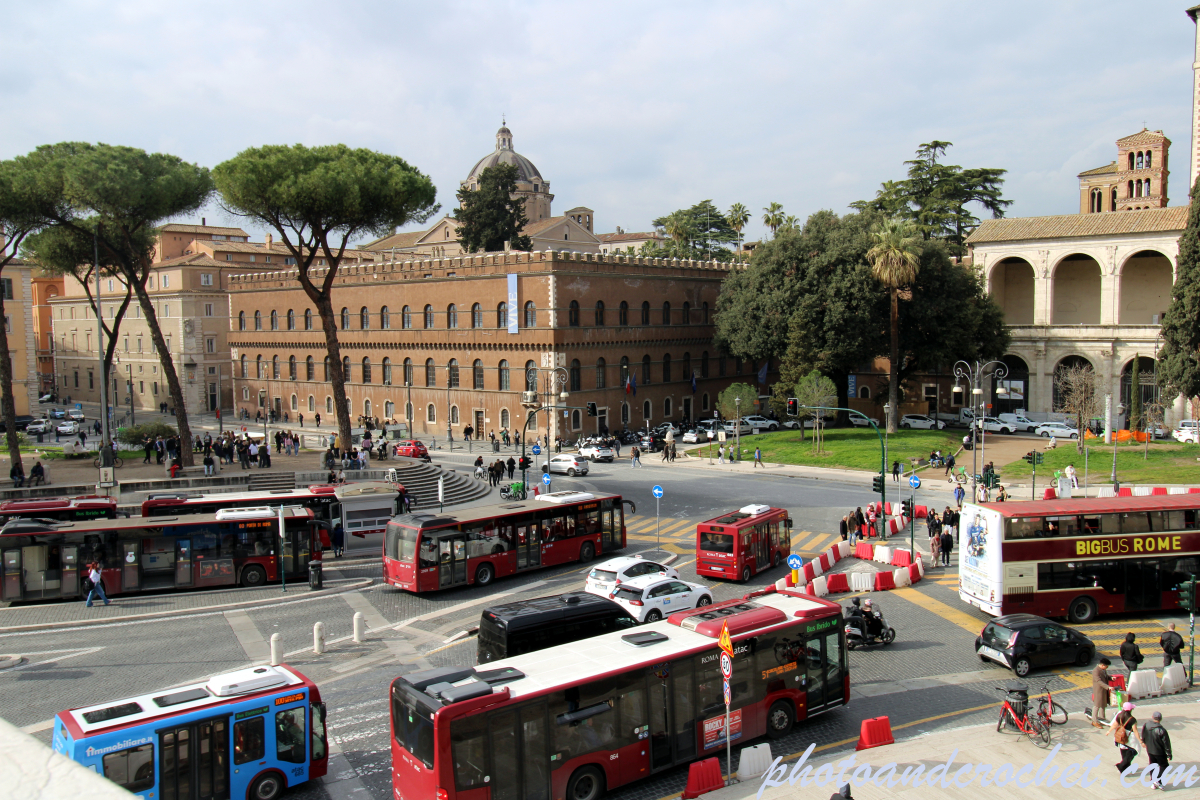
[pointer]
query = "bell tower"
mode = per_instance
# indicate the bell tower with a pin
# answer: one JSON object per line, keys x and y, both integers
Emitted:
{"x": 1195, "y": 154}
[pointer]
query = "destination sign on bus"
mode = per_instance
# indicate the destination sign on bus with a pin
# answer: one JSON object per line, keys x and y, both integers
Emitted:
{"x": 1127, "y": 545}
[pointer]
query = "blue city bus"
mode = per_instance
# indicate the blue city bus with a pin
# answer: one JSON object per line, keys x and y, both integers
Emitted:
{"x": 245, "y": 734}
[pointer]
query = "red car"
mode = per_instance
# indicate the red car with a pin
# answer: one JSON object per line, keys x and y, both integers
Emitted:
{"x": 412, "y": 448}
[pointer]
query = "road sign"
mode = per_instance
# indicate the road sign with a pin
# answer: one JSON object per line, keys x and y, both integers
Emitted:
{"x": 721, "y": 435}
{"x": 723, "y": 641}
{"x": 728, "y": 695}
{"x": 726, "y": 666}
{"x": 914, "y": 482}
{"x": 79, "y": 406}
{"x": 537, "y": 449}
{"x": 546, "y": 479}
{"x": 657, "y": 491}
{"x": 794, "y": 561}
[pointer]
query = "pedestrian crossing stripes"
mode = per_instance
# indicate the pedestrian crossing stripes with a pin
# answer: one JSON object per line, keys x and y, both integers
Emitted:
{"x": 646, "y": 529}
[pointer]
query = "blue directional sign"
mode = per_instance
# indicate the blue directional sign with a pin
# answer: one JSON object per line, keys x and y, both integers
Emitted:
{"x": 795, "y": 562}
{"x": 546, "y": 479}
{"x": 914, "y": 482}
{"x": 657, "y": 491}
{"x": 537, "y": 449}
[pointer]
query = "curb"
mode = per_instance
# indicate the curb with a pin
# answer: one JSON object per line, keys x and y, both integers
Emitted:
{"x": 42, "y": 626}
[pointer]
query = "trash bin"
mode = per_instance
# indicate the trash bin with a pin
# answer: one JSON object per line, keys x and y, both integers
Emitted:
{"x": 315, "y": 580}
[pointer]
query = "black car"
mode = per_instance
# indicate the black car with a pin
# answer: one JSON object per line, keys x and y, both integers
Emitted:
{"x": 652, "y": 442}
{"x": 1024, "y": 642}
{"x": 22, "y": 421}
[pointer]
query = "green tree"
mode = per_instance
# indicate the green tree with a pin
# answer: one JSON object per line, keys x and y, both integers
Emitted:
{"x": 490, "y": 217}
{"x": 1179, "y": 358}
{"x": 700, "y": 232}
{"x": 814, "y": 389}
{"x": 1135, "y": 396}
{"x": 773, "y": 217}
{"x": 120, "y": 195}
{"x": 895, "y": 262}
{"x": 727, "y": 400}
{"x": 318, "y": 199}
{"x": 739, "y": 217}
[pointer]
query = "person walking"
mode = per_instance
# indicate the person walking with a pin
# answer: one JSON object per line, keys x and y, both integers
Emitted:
{"x": 148, "y": 445}
{"x": 844, "y": 529}
{"x": 635, "y": 457}
{"x": 208, "y": 465}
{"x": 959, "y": 494}
{"x": 758, "y": 458}
{"x": 338, "y": 537}
{"x": 859, "y": 522}
{"x": 1157, "y": 742}
{"x": 97, "y": 584}
{"x": 935, "y": 544}
{"x": 949, "y": 465}
{"x": 1171, "y": 643}
{"x": 720, "y": 454}
{"x": 1124, "y": 732}
{"x": 317, "y": 419}
{"x": 512, "y": 467}
{"x": 896, "y": 471}
{"x": 946, "y": 546}
{"x": 1131, "y": 654}
{"x": 1100, "y": 693}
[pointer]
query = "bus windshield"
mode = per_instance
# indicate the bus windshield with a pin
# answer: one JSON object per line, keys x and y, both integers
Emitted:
{"x": 400, "y": 542}
{"x": 716, "y": 542}
{"x": 413, "y": 726}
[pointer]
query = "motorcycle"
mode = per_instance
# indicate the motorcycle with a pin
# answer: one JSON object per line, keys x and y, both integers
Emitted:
{"x": 857, "y": 637}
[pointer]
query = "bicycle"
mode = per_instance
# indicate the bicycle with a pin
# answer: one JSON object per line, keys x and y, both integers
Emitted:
{"x": 118, "y": 462}
{"x": 1029, "y": 724}
{"x": 513, "y": 491}
{"x": 1049, "y": 711}
{"x": 958, "y": 476}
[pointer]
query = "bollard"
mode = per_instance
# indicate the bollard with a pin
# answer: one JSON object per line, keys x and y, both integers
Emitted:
{"x": 318, "y": 638}
{"x": 276, "y": 649}
{"x": 360, "y": 625}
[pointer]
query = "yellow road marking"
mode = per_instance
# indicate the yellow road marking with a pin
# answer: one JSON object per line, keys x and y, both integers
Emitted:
{"x": 948, "y": 613}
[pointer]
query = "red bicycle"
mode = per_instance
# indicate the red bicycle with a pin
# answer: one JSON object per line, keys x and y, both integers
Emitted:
{"x": 1014, "y": 713}
{"x": 1049, "y": 711}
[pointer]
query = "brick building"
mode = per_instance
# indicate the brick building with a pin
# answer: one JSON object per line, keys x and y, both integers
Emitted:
{"x": 45, "y": 288}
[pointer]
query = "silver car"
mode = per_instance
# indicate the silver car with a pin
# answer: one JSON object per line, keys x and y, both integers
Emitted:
{"x": 565, "y": 464}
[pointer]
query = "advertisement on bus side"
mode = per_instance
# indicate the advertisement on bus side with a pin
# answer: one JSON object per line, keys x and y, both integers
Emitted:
{"x": 714, "y": 729}
{"x": 979, "y": 535}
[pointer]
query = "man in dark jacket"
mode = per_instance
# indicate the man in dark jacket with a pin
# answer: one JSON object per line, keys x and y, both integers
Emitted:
{"x": 1171, "y": 643}
{"x": 1158, "y": 746}
{"x": 512, "y": 467}
{"x": 1131, "y": 654}
{"x": 947, "y": 545}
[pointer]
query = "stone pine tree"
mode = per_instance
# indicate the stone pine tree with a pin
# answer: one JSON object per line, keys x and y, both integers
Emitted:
{"x": 1179, "y": 358}
{"x": 490, "y": 217}
{"x": 317, "y": 199}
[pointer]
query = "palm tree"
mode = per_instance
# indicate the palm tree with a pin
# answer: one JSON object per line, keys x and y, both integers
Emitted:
{"x": 678, "y": 228}
{"x": 773, "y": 217}
{"x": 791, "y": 221}
{"x": 895, "y": 262}
{"x": 738, "y": 216}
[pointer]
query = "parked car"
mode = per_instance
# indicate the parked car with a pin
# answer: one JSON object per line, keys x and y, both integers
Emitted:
{"x": 761, "y": 422}
{"x": 77, "y": 415}
{"x": 694, "y": 436}
{"x": 731, "y": 426}
{"x": 859, "y": 422}
{"x": 705, "y": 425}
{"x": 38, "y": 426}
{"x": 921, "y": 421}
{"x": 605, "y": 578}
{"x": 597, "y": 452}
{"x": 1060, "y": 430}
{"x": 70, "y": 427}
{"x": 566, "y": 464}
{"x": 652, "y": 442}
{"x": 994, "y": 425}
{"x": 1023, "y": 642}
{"x": 412, "y": 448}
{"x": 1018, "y": 421}
{"x": 45, "y": 398}
{"x": 23, "y": 421}
{"x": 652, "y": 597}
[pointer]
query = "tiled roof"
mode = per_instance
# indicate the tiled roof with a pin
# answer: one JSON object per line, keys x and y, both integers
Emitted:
{"x": 1144, "y": 136}
{"x": 609, "y": 238}
{"x": 1070, "y": 226}
{"x": 542, "y": 225}
{"x": 209, "y": 229}
{"x": 1105, "y": 170}
{"x": 195, "y": 260}
{"x": 407, "y": 239}
{"x": 277, "y": 249}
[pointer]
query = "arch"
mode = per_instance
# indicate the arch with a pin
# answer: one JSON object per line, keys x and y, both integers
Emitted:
{"x": 430, "y": 413}
{"x": 576, "y": 375}
{"x": 366, "y": 370}
{"x": 257, "y": 320}
{"x": 389, "y": 409}
{"x": 599, "y": 313}
{"x": 452, "y": 316}
{"x": 327, "y": 373}
{"x": 666, "y": 312}
{"x": 704, "y": 312}
{"x": 624, "y": 371}
{"x": 504, "y": 418}
{"x": 646, "y": 370}
{"x": 666, "y": 408}
{"x": 345, "y": 319}
{"x": 454, "y": 418}
{"x": 704, "y": 402}
{"x": 364, "y": 319}
{"x": 625, "y": 414}
{"x": 1147, "y": 372}
{"x": 576, "y": 420}
{"x": 601, "y": 376}
{"x": 1076, "y": 292}
{"x": 502, "y": 377}
{"x": 1130, "y": 189}
{"x": 408, "y": 372}
{"x": 1015, "y": 384}
{"x": 452, "y": 373}
{"x": 623, "y": 313}
{"x": 1139, "y": 160}
{"x": 704, "y": 365}
{"x": 864, "y": 392}
{"x": 477, "y": 374}
{"x": 530, "y": 314}
{"x": 1012, "y": 287}
{"x": 274, "y": 320}
{"x": 430, "y": 373}
{"x": 367, "y": 407}
{"x": 476, "y": 315}
{"x": 308, "y": 319}
{"x": 406, "y": 318}
{"x": 686, "y": 372}
{"x": 1131, "y": 160}
{"x": 687, "y": 313}
{"x": 502, "y": 315}
{"x": 275, "y": 367}
{"x": 1149, "y": 158}
{"x": 291, "y": 368}
{"x": 573, "y": 314}
{"x": 530, "y": 376}
{"x": 428, "y": 316}
{"x": 312, "y": 403}
{"x": 666, "y": 368}
{"x": 294, "y": 403}
{"x": 1146, "y": 283}
{"x": 291, "y": 320}
{"x": 245, "y": 374}
{"x": 1113, "y": 207}
{"x": 1063, "y": 364}
{"x": 647, "y": 413}
{"x": 346, "y": 369}
{"x": 241, "y": 320}
{"x": 645, "y": 312}
{"x": 385, "y": 320}
{"x": 387, "y": 372}
{"x": 310, "y": 369}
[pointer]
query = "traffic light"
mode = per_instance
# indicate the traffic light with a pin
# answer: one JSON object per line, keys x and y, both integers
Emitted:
{"x": 1029, "y": 457}
{"x": 877, "y": 484}
{"x": 993, "y": 480}
{"x": 523, "y": 463}
{"x": 1039, "y": 457}
{"x": 591, "y": 408}
{"x": 1187, "y": 595}
{"x": 906, "y": 508}
{"x": 793, "y": 408}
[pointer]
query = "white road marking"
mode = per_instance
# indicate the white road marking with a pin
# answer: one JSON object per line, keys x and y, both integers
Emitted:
{"x": 469, "y": 604}
{"x": 248, "y": 635}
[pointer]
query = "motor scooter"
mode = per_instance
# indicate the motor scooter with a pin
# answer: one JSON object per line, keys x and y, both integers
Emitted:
{"x": 857, "y": 637}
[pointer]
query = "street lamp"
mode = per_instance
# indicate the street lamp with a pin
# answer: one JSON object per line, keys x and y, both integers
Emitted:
{"x": 737, "y": 404}
{"x": 887, "y": 415}
{"x": 974, "y": 376}
{"x": 554, "y": 377}
{"x": 1120, "y": 409}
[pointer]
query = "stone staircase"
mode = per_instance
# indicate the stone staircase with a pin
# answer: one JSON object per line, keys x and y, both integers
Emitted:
{"x": 266, "y": 481}
{"x": 419, "y": 479}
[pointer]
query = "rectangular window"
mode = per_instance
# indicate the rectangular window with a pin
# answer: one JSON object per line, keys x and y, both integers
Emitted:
{"x": 150, "y": 283}
{"x": 210, "y": 345}
{"x": 249, "y": 740}
{"x": 8, "y": 289}
{"x": 166, "y": 309}
{"x": 290, "y": 740}
{"x": 154, "y": 384}
{"x": 110, "y": 284}
{"x": 468, "y": 740}
{"x": 142, "y": 387}
{"x": 208, "y": 309}
{"x": 139, "y": 344}
{"x": 166, "y": 281}
{"x": 289, "y": 260}
{"x": 91, "y": 380}
{"x": 206, "y": 279}
{"x": 252, "y": 259}
{"x": 132, "y": 768}
{"x": 229, "y": 256}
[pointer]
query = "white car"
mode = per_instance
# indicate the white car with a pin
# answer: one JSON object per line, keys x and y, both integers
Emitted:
{"x": 568, "y": 464}
{"x": 652, "y": 597}
{"x": 665, "y": 428}
{"x": 761, "y": 422}
{"x": 606, "y": 577}
{"x": 859, "y": 422}
{"x": 993, "y": 425}
{"x": 1059, "y": 430}
{"x": 77, "y": 415}
{"x": 597, "y": 452}
{"x": 694, "y": 437}
{"x": 39, "y": 426}
{"x": 1187, "y": 432}
{"x": 731, "y": 426}
{"x": 921, "y": 421}
{"x": 69, "y": 427}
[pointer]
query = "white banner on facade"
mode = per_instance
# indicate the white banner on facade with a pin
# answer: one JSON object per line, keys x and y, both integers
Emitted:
{"x": 513, "y": 304}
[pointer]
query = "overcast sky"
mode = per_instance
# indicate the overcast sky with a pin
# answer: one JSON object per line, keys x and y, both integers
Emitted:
{"x": 632, "y": 109}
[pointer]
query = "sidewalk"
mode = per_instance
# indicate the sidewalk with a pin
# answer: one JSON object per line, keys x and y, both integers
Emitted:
{"x": 1083, "y": 754}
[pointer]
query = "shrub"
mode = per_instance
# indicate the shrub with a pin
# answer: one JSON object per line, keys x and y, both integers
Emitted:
{"x": 137, "y": 434}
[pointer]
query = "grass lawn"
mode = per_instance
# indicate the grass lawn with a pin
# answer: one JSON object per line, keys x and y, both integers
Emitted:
{"x": 850, "y": 448}
{"x": 1166, "y": 463}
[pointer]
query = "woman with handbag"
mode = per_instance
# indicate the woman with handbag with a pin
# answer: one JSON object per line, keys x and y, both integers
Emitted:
{"x": 1131, "y": 654}
{"x": 1125, "y": 734}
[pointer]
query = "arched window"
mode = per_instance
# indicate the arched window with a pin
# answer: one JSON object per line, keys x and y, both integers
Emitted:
{"x": 408, "y": 411}
{"x": 1131, "y": 160}
{"x": 260, "y": 367}
{"x": 864, "y": 392}
{"x": 687, "y": 313}
{"x": 1139, "y": 160}
{"x": 476, "y": 316}
{"x": 366, "y": 370}
{"x": 452, "y": 316}
{"x": 346, "y": 369}
{"x": 502, "y": 315}
{"x": 387, "y": 372}
{"x": 704, "y": 364}
{"x": 291, "y": 320}
{"x": 1131, "y": 185}
{"x": 308, "y": 319}
{"x": 645, "y": 370}
{"x": 345, "y": 319}
{"x": 646, "y": 410}
{"x": 453, "y": 415}
{"x": 1147, "y": 193}
{"x": 667, "y": 368}
{"x": 366, "y": 408}
{"x": 667, "y": 408}
{"x": 502, "y": 372}
{"x": 477, "y": 374}
{"x": 275, "y": 367}
{"x": 389, "y": 409}
{"x": 576, "y": 420}
{"x": 1149, "y": 156}
{"x": 624, "y": 413}
{"x": 295, "y": 405}
{"x": 428, "y": 316}
{"x": 623, "y": 313}
{"x": 1137, "y": 187}
{"x": 573, "y": 314}
{"x": 327, "y": 375}
{"x": 430, "y": 373}
{"x": 312, "y": 403}
{"x": 452, "y": 373}
{"x": 686, "y": 373}
{"x": 328, "y": 404}
{"x": 291, "y": 368}
{"x": 1114, "y": 199}
{"x": 274, "y": 320}
{"x": 430, "y": 413}
{"x": 244, "y": 373}
{"x": 666, "y": 314}
{"x": 599, "y": 313}
{"x": 406, "y": 318}
{"x": 258, "y": 320}
{"x": 408, "y": 372}
{"x": 385, "y": 318}
{"x": 601, "y": 369}
{"x": 576, "y": 376}
{"x": 504, "y": 419}
{"x": 704, "y": 402}
{"x": 530, "y": 376}
{"x": 704, "y": 312}
{"x": 624, "y": 371}
{"x": 364, "y": 319}
{"x": 310, "y": 369}
{"x": 530, "y": 314}
{"x": 241, "y": 320}
{"x": 645, "y": 312}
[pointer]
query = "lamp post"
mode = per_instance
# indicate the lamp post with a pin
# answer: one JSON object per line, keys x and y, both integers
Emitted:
{"x": 1120, "y": 409}
{"x": 887, "y": 415}
{"x": 132, "y": 421}
{"x": 737, "y": 428}
{"x": 553, "y": 377}
{"x": 974, "y": 376}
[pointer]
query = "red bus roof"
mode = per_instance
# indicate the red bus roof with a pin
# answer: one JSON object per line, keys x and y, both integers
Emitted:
{"x": 743, "y": 516}
{"x": 86, "y": 501}
{"x": 20, "y": 527}
{"x": 432, "y": 519}
{"x": 1093, "y": 505}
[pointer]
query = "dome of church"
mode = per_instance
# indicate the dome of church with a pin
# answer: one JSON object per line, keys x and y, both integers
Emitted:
{"x": 504, "y": 154}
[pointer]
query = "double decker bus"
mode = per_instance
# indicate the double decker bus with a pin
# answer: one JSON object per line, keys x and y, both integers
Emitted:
{"x": 579, "y": 719}
{"x": 426, "y": 550}
{"x": 42, "y": 560}
{"x": 742, "y": 543}
{"x": 74, "y": 508}
{"x": 1078, "y": 558}
{"x": 250, "y": 733}
{"x": 361, "y": 508}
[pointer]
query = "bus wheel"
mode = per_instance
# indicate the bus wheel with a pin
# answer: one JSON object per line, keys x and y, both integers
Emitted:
{"x": 254, "y": 575}
{"x": 1082, "y": 610}
{"x": 586, "y": 552}
{"x": 586, "y": 784}
{"x": 266, "y": 787}
{"x": 745, "y": 574}
{"x": 776, "y": 560}
{"x": 484, "y": 575}
{"x": 780, "y": 719}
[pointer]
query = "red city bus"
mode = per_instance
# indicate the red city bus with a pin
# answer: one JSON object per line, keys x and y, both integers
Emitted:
{"x": 579, "y": 719}
{"x": 75, "y": 508}
{"x": 362, "y": 508}
{"x": 425, "y": 551}
{"x": 1079, "y": 558}
{"x": 43, "y": 560}
{"x": 743, "y": 543}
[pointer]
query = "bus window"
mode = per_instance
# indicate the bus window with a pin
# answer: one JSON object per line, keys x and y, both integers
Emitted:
{"x": 583, "y": 719}
{"x": 685, "y": 716}
{"x": 249, "y": 740}
{"x": 1100, "y": 524}
{"x": 533, "y": 751}
{"x": 132, "y": 768}
{"x": 429, "y": 557}
{"x": 588, "y": 523}
{"x": 633, "y": 709}
{"x": 413, "y": 728}
{"x": 468, "y": 740}
{"x": 320, "y": 746}
{"x": 503, "y": 738}
{"x": 1026, "y": 528}
{"x": 1135, "y": 522}
{"x": 1107, "y": 575}
{"x": 716, "y": 542}
{"x": 483, "y": 539}
{"x": 290, "y": 739}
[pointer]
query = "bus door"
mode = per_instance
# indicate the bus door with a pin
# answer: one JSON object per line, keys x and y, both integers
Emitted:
{"x": 762, "y": 557}
{"x": 1143, "y": 585}
{"x": 824, "y": 685}
{"x": 12, "y": 575}
{"x": 658, "y": 678}
{"x": 529, "y": 546}
{"x": 452, "y": 560}
{"x": 130, "y": 566}
{"x": 183, "y": 562}
{"x": 297, "y": 552}
{"x": 70, "y": 570}
{"x": 334, "y": 512}
{"x": 194, "y": 761}
{"x": 33, "y": 562}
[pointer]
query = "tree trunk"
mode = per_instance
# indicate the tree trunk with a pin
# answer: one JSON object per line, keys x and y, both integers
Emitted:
{"x": 894, "y": 366}
{"x": 337, "y": 377}
{"x": 8, "y": 401}
{"x": 168, "y": 368}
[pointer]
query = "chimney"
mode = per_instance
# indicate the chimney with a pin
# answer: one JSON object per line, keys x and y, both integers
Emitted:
{"x": 269, "y": 240}
{"x": 203, "y": 222}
